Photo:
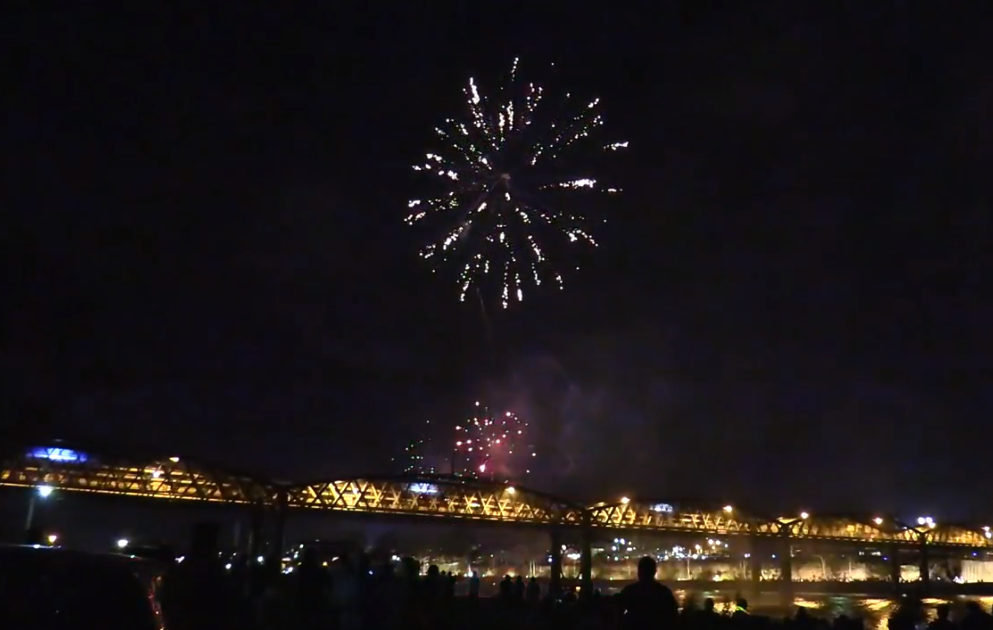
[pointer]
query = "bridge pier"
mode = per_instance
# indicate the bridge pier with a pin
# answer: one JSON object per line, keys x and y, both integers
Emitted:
{"x": 555, "y": 577}
{"x": 586, "y": 558}
{"x": 895, "y": 570}
{"x": 256, "y": 532}
{"x": 755, "y": 567}
{"x": 924, "y": 565}
{"x": 786, "y": 567}
{"x": 277, "y": 542}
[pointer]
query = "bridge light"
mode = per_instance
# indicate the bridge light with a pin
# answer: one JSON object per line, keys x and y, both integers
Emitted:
{"x": 174, "y": 460}
{"x": 45, "y": 491}
{"x": 920, "y": 520}
{"x": 511, "y": 490}
{"x": 804, "y": 515}
{"x": 728, "y": 509}
{"x": 122, "y": 543}
{"x": 877, "y": 521}
{"x": 625, "y": 500}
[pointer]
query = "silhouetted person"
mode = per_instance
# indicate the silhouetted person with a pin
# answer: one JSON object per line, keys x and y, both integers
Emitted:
{"x": 450, "y": 585}
{"x": 519, "y": 589}
{"x": 408, "y": 590}
{"x": 199, "y": 588}
{"x": 432, "y": 597}
{"x": 647, "y": 603}
{"x": 433, "y": 586}
{"x": 534, "y": 591}
{"x": 975, "y": 617}
{"x": 707, "y": 617}
{"x": 741, "y": 609}
{"x": 312, "y": 585}
{"x": 942, "y": 620}
{"x": 347, "y": 595}
{"x": 384, "y": 607}
{"x": 802, "y": 619}
{"x": 909, "y": 613}
{"x": 474, "y": 585}
{"x": 506, "y": 589}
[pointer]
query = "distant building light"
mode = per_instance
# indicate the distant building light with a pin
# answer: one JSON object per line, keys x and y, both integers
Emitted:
{"x": 57, "y": 454}
{"x": 423, "y": 488}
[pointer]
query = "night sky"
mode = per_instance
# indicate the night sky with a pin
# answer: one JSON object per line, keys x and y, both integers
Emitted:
{"x": 791, "y": 306}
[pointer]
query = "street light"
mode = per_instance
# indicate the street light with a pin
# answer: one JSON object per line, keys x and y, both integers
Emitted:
{"x": 42, "y": 492}
{"x": 877, "y": 521}
{"x": 122, "y": 543}
{"x": 804, "y": 515}
{"x": 52, "y": 539}
{"x": 625, "y": 500}
{"x": 728, "y": 509}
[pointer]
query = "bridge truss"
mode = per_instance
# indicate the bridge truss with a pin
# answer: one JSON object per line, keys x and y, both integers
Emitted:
{"x": 680, "y": 518}
{"x": 173, "y": 478}
{"x": 448, "y": 498}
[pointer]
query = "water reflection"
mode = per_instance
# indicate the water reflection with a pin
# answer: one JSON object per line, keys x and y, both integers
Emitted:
{"x": 874, "y": 611}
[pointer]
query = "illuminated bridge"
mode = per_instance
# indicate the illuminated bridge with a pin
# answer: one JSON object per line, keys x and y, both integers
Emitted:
{"x": 455, "y": 499}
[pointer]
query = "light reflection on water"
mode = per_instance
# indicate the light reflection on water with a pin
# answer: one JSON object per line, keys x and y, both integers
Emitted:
{"x": 875, "y": 611}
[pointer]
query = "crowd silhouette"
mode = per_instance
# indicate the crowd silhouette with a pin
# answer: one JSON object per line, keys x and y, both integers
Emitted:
{"x": 355, "y": 594}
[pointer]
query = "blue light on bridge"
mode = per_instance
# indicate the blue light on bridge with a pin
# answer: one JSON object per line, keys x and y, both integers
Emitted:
{"x": 664, "y": 508}
{"x": 423, "y": 488}
{"x": 58, "y": 454}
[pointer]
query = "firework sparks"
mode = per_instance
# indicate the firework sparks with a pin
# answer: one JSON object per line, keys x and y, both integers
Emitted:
{"x": 493, "y": 445}
{"x": 418, "y": 456}
{"x": 507, "y": 190}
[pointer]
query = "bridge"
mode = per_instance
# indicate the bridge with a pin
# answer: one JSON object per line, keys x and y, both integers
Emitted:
{"x": 461, "y": 500}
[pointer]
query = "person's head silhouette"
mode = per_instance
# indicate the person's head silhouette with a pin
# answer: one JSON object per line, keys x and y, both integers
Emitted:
{"x": 646, "y": 569}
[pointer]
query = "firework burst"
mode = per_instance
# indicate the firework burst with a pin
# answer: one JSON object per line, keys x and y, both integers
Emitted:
{"x": 494, "y": 446}
{"x": 511, "y": 174}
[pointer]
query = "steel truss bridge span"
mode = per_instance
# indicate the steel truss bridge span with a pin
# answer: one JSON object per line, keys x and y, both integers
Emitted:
{"x": 452, "y": 499}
